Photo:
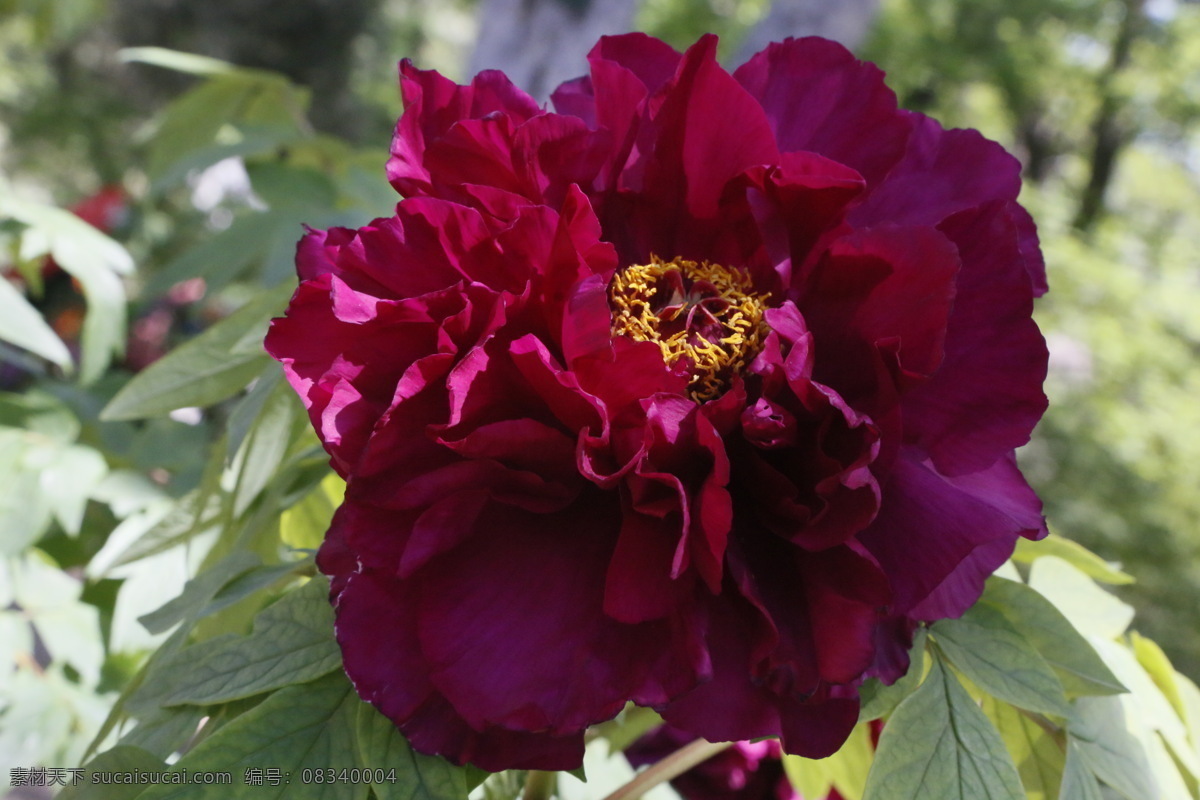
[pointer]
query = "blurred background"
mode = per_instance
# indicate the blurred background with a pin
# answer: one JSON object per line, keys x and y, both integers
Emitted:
{"x": 200, "y": 174}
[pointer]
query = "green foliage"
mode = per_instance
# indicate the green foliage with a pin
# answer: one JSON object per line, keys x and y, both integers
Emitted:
{"x": 939, "y": 744}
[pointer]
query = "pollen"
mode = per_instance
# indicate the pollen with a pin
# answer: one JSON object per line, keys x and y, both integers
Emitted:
{"x": 704, "y": 316}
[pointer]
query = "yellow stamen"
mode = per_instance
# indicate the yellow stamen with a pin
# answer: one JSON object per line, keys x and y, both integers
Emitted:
{"x": 648, "y": 301}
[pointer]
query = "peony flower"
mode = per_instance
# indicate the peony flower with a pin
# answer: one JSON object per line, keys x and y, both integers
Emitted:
{"x": 700, "y": 391}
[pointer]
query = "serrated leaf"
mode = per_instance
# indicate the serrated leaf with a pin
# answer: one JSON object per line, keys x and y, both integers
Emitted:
{"x": 305, "y": 726}
{"x": 120, "y": 759}
{"x": 1073, "y": 553}
{"x": 202, "y": 371}
{"x": 1110, "y": 751}
{"x": 998, "y": 659}
{"x": 21, "y": 324}
{"x": 938, "y": 744}
{"x": 1089, "y": 608}
{"x": 418, "y": 776}
{"x": 1038, "y": 757}
{"x": 877, "y": 700}
{"x": 1078, "y": 782}
{"x": 292, "y": 642}
{"x": 846, "y": 770}
{"x": 1073, "y": 659}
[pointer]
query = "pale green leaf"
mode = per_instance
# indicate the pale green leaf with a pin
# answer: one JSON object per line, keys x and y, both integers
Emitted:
{"x": 307, "y": 726}
{"x": 1153, "y": 709}
{"x": 418, "y": 776}
{"x": 1074, "y": 554}
{"x": 69, "y": 483}
{"x": 21, "y": 324}
{"x": 1073, "y": 659}
{"x": 179, "y": 61}
{"x": 1090, "y": 609}
{"x": 1159, "y": 668}
{"x": 202, "y": 371}
{"x": 1078, "y": 782}
{"x": 199, "y": 591}
{"x": 292, "y": 642}
{"x": 93, "y": 259}
{"x": 1190, "y": 696}
{"x": 1110, "y": 749}
{"x": 998, "y": 659}
{"x": 1038, "y": 757}
{"x": 938, "y": 744}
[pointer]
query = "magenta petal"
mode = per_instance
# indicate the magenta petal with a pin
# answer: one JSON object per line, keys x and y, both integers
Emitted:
{"x": 733, "y": 707}
{"x": 390, "y": 673}
{"x": 987, "y": 395}
{"x": 929, "y": 525}
{"x": 818, "y": 97}
{"x": 526, "y": 611}
{"x": 942, "y": 172}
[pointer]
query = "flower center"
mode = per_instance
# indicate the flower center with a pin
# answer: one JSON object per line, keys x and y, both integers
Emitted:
{"x": 704, "y": 314}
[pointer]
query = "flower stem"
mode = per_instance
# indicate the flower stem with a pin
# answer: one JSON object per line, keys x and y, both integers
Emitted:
{"x": 539, "y": 785}
{"x": 673, "y": 765}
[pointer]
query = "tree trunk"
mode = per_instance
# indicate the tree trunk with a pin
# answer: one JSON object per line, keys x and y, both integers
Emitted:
{"x": 1111, "y": 130}
{"x": 541, "y": 43}
{"x": 845, "y": 21}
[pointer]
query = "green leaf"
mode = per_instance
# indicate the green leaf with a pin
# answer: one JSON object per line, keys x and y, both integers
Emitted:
{"x": 846, "y": 770}
{"x": 1101, "y": 732}
{"x": 69, "y": 483}
{"x": 1159, "y": 668}
{"x": 212, "y": 113}
{"x": 627, "y": 727}
{"x": 122, "y": 759}
{"x": 1074, "y": 554}
{"x": 418, "y": 776}
{"x": 1038, "y": 757}
{"x": 303, "y": 526}
{"x": 1076, "y": 663}
{"x": 308, "y": 726}
{"x": 878, "y": 700}
{"x": 1090, "y": 609}
{"x": 93, "y": 259}
{"x": 189, "y": 63}
{"x": 165, "y": 731}
{"x": 1153, "y": 710}
{"x": 1078, "y": 782}
{"x": 199, "y": 591}
{"x": 1002, "y": 662}
{"x": 263, "y": 450}
{"x": 938, "y": 744}
{"x": 292, "y": 642}
{"x": 202, "y": 371}
{"x": 21, "y": 324}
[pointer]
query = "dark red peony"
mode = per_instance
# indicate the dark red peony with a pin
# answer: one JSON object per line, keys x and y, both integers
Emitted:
{"x": 701, "y": 393}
